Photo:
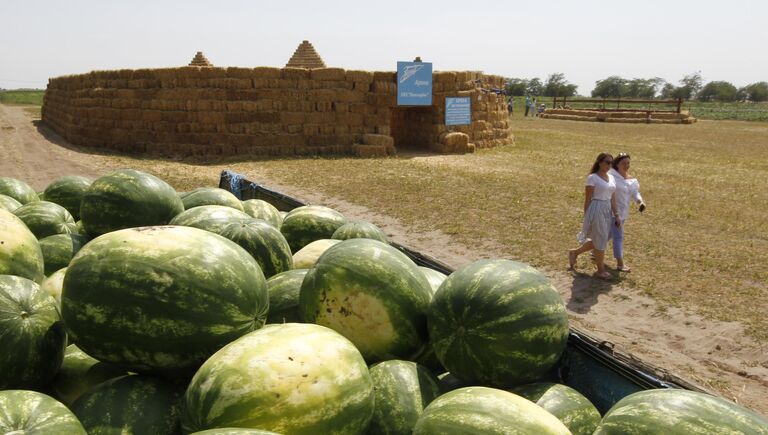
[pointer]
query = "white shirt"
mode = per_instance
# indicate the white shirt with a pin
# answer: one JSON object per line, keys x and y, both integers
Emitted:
{"x": 603, "y": 189}
{"x": 626, "y": 190}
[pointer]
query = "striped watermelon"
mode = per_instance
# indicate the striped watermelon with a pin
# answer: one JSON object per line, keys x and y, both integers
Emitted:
{"x": 370, "y": 293}
{"x": 211, "y": 218}
{"x": 32, "y": 337}
{"x": 264, "y": 242}
{"x": 210, "y": 196}
{"x": 486, "y": 411}
{"x": 59, "y": 249}
{"x": 360, "y": 230}
{"x": 234, "y": 431}
{"x": 127, "y": 199}
{"x": 284, "y": 291}
{"x": 52, "y": 285}
{"x": 434, "y": 277}
{"x": 30, "y": 412}
{"x": 263, "y": 210}
{"x": 45, "y": 219}
{"x": 133, "y": 404}
{"x": 20, "y": 252}
{"x": 308, "y": 255}
{"x": 18, "y": 190}
{"x": 499, "y": 323}
{"x": 68, "y": 192}
{"x": 290, "y": 378}
{"x": 673, "y": 412}
{"x": 576, "y": 412}
{"x": 8, "y": 203}
{"x": 161, "y": 299}
{"x": 402, "y": 390}
{"x": 306, "y": 224}
{"x": 428, "y": 359}
{"x": 80, "y": 372}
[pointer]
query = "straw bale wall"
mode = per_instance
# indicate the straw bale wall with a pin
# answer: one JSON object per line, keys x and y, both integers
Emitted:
{"x": 257, "y": 111}
{"x": 628, "y": 116}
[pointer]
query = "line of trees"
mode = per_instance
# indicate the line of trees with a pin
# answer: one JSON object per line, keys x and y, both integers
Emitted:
{"x": 555, "y": 86}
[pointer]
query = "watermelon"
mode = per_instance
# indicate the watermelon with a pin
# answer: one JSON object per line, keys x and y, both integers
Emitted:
{"x": 209, "y": 217}
{"x": 284, "y": 291}
{"x": 306, "y": 224}
{"x": 498, "y": 323}
{"x": 428, "y": 359}
{"x": 434, "y": 277}
{"x": 486, "y": 411}
{"x": 32, "y": 337}
{"x": 30, "y": 412}
{"x": 402, "y": 390}
{"x": 79, "y": 372}
{"x": 18, "y": 190}
{"x": 210, "y": 196}
{"x": 68, "y": 192}
{"x": 576, "y": 412}
{"x": 291, "y": 378}
{"x": 370, "y": 293}
{"x": 133, "y": 404}
{"x": 673, "y": 412}
{"x": 45, "y": 219}
{"x": 234, "y": 431}
{"x": 8, "y": 203}
{"x": 360, "y": 230}
{"x": 52, "y": 285}
{"x": 308, "y": 255}
{"x": 263, "y": 210}
{"x": 59, "y": 249}
{"x": 126, "y": 199}
{"x": 264, "y": 242}
{"x": 20, "y": 252}
{"x": 161, "y": 299}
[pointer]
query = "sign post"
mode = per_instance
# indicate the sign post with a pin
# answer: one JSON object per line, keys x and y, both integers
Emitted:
{"x": 458, "y": 111}
{"x": 414, "y": 83}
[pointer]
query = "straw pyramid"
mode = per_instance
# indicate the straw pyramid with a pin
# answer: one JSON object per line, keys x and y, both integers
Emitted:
{"x": 200, "y": 60}
{"x": 305, "y": 56}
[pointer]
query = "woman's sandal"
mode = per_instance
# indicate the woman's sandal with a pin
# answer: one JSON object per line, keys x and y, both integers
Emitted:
{"x": 571, "y": 260}
{"x": 625, "y": 269}
{"x": 605, "y": 275}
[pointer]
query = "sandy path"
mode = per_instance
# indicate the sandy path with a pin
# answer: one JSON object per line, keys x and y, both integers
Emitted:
{"x": 716, "y": 355}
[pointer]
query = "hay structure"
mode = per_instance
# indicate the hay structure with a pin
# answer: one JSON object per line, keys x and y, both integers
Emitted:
{"x": 625, "y": 116}
{"x": 200, "y": 60}
{"x": 305, "y": 56}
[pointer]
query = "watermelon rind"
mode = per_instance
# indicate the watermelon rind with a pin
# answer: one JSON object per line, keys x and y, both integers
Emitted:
{"x": 360, "y": 230}
{"x": 45, "y": 219}
{"x": 20, "y": 252}
{"x": 9, "y": 204}
{"x": 284, "y": 289}
{"x": 304, "y": 225}
{"x": 263, "y": 210}
{"x": 434, "y": 277}
{"x": 68, "y": 192}
{"x": 576, "y": 412}
{"x": 307, "y": 256}
{"x": 18, "y": 190}
{"x": 53, "y": 284}
{"x": 210, "y": 196}
{"x": 234, "y": 431}
{"x": 80, "y": 372}
{"x": 211, "y": 218}
{"x": 30, "y": 412}
{"x": 59, "y": 249}
{"x": 402, "y": 390}
{"x": 264, "y": 242}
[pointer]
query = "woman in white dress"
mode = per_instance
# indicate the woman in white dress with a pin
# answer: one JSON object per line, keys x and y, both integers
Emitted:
{"x": 600, "y": 214}
{"x": 627, "y": 190}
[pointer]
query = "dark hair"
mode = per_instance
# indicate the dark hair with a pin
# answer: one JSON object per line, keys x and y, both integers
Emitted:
{"x": 619, "y": 158}
{"x": 598, "y": 160}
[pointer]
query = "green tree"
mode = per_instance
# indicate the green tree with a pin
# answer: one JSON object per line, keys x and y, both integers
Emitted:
{"x": 517, "y": 87}
{"x": 557, "y": 86}
{"x": 535, "y": 87}
{"x": 610, "y": 87}
{"x": 718, "y": 91}
{"x": 690, "y": 85}
{"x": 644, "y": 88}
{"x": 757, "y": 91}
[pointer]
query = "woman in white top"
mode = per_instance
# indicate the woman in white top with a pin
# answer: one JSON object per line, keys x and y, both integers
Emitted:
{"x": 627, "y": 190}
{"x": 600, "y": 213}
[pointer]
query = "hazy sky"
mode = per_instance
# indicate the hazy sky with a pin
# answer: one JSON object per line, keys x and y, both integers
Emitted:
{"x": 586, "y": 40}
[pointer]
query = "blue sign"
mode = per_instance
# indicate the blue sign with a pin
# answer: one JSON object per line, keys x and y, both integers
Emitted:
{"x": 414, "y": 84}
{"x": 458, "y": 111}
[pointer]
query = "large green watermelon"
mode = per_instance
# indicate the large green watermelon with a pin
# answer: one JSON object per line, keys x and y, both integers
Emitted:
{"x": 53, "y": 284}
{"x": 284, "y": 291}
{"x": 8, "y": 203}
{"x": 127, "y": 199}
{"x": 80, "y": 372}
{"x": 290, "y": 378}
{"x": 30, "y": 412}
{"x": 20, "y": 252}
{"x": 486, "y": 411}
{"x": 18, "y": 190}
{"x": 679, "y": 412}
{"x": 264, "y": 211}
{"x": 161, "y": 299}
{"x": 133, "y": 404}
{"x": 576, "y": 412}
{"x": 210, "y": 196}
{"x": 68, "y": 192}
{"x": 211, "y": 218}
{"x": 32, "y": 337}
{"x": 306, "y": 224}
{"x": 264, "y": 242}
{"x": 434, "y": 277}
{"x": 234, "y": 431}
{"x": 498, "y": 323}
{"x": 370, "y": 293}
{"x": 360, "y": 230}
{"x": 59, "y": 249}
{"x": 402, "y": 390}
{"x": 308, "y": 255}
{"x": 45, "y": 219}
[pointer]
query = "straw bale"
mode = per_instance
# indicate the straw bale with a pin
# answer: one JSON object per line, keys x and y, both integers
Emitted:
{"x": 378, "y": 139}
{"x": 361, "y": 77}
{"x": 385, "y": 76}
{"x": 456, "y": 140}
{"x": 295, "y": 73}
{"x": 368, "y": 151}
{"x": 265, "y": 72}
{"x": 337, "y": 74}
{"x": 628, "y": 120}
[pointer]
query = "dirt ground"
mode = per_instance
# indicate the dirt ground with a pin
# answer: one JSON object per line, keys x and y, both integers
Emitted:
{"x": 715, "y": 355}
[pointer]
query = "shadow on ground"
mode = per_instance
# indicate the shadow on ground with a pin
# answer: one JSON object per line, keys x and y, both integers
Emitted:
{"x": 586, "y": 289}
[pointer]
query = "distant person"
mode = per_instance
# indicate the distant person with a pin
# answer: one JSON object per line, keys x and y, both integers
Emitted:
{"x": 527, "y": 104}
{"x": 542, "y": 108}
{"x": 511, "y": 105}
{"x": 600, "y": 214}
{"x": 533, "y": 106}
{"x": 627, "y": 189}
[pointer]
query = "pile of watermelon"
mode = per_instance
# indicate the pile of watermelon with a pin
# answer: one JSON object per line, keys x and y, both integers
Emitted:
{"x": 127, "y": 307}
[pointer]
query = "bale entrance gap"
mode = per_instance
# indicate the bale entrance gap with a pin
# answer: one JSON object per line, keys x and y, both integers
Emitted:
{"x": 412, "y": 127}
